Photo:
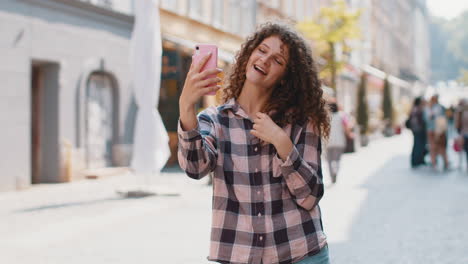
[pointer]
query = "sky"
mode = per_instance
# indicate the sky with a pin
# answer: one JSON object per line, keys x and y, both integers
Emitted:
{"x": 447, "y": 8}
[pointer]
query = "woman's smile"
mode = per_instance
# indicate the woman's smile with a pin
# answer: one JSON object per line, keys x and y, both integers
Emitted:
{"x": 260, "y": 69}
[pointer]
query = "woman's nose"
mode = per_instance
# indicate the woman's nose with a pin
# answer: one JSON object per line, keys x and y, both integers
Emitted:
{"x": 265, "y": 59}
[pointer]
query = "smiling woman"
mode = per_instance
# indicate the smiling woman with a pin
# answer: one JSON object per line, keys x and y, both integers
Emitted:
{"x": 263, "y": 146}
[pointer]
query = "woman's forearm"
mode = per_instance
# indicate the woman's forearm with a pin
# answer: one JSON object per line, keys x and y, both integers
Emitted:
{"x": 188, "y": 117}
{"x": 283, "y": 145}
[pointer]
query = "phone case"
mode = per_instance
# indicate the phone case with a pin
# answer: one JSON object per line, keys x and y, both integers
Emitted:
{"x": 200, "y": 51}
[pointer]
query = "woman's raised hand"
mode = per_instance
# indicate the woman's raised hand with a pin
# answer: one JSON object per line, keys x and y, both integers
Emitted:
{"x": 197, "y": 84}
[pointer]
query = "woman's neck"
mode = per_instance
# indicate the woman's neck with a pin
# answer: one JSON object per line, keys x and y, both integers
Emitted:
{"x": 253, "y": 98}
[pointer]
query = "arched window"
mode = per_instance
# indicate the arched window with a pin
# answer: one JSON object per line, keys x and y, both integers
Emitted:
{"x": 100, "y": 120}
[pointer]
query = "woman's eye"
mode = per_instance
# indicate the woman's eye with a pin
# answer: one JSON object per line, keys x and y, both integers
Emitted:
{"x": 278, "y": 61}
{"x": 262, "y": 51}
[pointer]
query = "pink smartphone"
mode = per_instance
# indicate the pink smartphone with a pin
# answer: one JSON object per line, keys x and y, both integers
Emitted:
{"x": 212, "y": 63}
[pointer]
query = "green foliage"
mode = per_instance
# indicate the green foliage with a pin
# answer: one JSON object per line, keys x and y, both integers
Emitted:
{"x": 387, "y": 104}
{"x": 335, "y": 25}
{"x": 362, "y": 107}
{"x": 463, "y": 79}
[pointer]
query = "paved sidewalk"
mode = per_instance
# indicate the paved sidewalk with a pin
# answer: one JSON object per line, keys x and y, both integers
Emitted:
{"x": 382, "y": 211}
{"x": 87, "y": 222}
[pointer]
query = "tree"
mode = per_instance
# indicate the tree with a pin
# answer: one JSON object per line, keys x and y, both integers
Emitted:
{"x": 463, "y": 79}
{"x": 362, "y": 108}
{"x": 387, "y": 103}
{"x": 334, "y": 28}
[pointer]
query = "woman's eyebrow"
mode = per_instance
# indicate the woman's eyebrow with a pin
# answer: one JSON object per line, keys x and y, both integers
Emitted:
{"x": 281, "y": 53}
{"x": 282, "y": 50}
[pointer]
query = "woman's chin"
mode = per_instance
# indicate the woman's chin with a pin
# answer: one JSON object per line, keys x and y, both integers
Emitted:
{"x": 255, "y": 79}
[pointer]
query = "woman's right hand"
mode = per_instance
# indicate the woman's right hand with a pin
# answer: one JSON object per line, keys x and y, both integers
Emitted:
{"x": 196, "y": 84}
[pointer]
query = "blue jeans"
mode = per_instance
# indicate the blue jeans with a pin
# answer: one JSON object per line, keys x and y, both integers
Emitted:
{"x": 319, "y": 258}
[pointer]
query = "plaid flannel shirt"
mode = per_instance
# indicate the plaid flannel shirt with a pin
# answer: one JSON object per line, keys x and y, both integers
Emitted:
{"x": 264, "y": 210}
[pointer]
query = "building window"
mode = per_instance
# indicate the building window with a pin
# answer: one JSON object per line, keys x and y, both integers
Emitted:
{"x": 300, "y": 10}
{"x": 235, "y": 17}
{"x": 247, "y": 14}
{"x": 169, "y": 5}
{"x": 309, "y": 13}
{"x": 289, "y": 7}
{"x": 100, "y": 120}
{"x": 218, "y": 13}
{"x": 195, "y": 9}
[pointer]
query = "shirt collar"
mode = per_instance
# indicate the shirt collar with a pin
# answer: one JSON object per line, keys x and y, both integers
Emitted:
{"x": 232, "y": 105}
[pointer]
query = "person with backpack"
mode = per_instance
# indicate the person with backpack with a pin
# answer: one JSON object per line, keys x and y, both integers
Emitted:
{"x": 418, "y": 128}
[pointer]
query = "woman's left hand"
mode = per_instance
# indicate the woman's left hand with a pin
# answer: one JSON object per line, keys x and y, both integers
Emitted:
{"x": 265, "y": 129}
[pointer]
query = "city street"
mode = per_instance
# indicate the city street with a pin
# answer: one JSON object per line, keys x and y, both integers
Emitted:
{"x": 380, "y": 211}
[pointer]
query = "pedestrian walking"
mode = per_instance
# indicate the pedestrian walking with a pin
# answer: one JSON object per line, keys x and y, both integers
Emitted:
{"x": 461, "y": 123}
{"x": 264, "y": 146}
{"x": 349, "y": 123}
{"x": 436, "y": 124}
{"x": 418, "y": 128}
{"x": 337, "y": 142}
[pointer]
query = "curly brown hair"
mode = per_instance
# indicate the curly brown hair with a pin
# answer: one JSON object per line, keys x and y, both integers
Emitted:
{"x": 299, "y": 97}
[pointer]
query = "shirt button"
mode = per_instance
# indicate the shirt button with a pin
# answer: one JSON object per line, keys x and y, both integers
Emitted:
{"x": 258, "y": 192}
{"x": 256, "y": 148}
{"x": 261, "y": 238}
{"x": 256, "y": 170}
{"x": 259, "y": 214}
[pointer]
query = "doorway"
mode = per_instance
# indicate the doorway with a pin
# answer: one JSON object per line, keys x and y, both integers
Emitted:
{"x": 45, "y": 154}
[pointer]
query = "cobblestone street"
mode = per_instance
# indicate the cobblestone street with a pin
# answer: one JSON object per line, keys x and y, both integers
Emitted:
{"x": 380, "y": 211}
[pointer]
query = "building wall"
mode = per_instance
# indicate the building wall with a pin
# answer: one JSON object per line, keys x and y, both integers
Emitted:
{"x": 14, "y": 102}
{"x": 421, "y": 47}
{"x": 79, "y": 39}
{"x": 400, "y": 38}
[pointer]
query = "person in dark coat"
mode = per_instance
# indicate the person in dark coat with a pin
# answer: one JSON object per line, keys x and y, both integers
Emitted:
{"x": 418, "y": 127}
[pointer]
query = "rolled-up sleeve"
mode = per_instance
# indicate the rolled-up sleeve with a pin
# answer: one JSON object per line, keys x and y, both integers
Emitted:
{"x": 197, "y": 151}
{"x": 302, "y": 169}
